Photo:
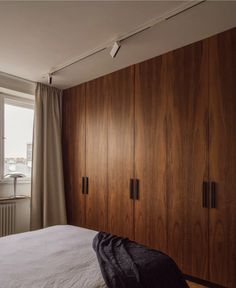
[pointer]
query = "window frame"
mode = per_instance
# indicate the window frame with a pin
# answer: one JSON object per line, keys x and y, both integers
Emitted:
{"x": 16, "y": 101}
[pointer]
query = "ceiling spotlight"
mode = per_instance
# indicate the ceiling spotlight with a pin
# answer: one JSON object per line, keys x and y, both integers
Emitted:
{"x": 115, "y": 49}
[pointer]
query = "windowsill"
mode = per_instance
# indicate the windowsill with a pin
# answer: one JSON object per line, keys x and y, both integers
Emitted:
{"x": 18, "y": 197}
{"x": 9, "y": 181}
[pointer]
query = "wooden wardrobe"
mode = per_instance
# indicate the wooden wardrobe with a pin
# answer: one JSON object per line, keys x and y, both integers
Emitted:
{"x": 150, "y": 153}
{"x": 105, "y": 155}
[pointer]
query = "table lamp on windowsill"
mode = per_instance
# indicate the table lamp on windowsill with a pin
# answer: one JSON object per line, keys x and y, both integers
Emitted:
{"x": 15, "y": 175}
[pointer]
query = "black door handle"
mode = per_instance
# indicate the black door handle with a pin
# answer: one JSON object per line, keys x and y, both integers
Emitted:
{"x": 131, "y": 189}
{"x": 83, "y": 185}
{"x": 213, "y": 194}
{"x": 136, "y": 190}
{"x": 205, "y": 194}
{"x": 87, "y": 185}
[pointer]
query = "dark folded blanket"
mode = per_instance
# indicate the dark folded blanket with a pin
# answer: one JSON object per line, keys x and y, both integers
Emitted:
{"x": 126, "y": 264}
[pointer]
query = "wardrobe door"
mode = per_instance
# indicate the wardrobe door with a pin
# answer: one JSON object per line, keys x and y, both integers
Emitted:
{"x": 120, "y": 90}
{"x": 73, "y": 135}
{"x": 187, "y": 92}
{"x": 222, "y": 53}
{"x": 96, "y": 154}
{"x": 150, "y": 153}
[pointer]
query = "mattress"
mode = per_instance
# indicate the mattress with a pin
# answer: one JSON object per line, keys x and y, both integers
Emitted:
{"x": 58, "y": 256}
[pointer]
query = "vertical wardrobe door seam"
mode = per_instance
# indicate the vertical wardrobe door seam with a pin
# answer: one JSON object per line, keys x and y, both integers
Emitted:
{"x": 108, "y": 99}
{"x": 167, "y": 152}
{"x": 134, "y": 118}
{"x": 85, "y": 149}
{"x": 208, "y": 153}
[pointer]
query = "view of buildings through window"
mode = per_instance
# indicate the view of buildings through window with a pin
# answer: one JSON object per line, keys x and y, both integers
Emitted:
{"x": 18, "y": 131}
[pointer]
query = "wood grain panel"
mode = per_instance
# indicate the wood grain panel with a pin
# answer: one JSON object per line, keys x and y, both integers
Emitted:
{"x": 187, "y": 92}
{"x": 223, "y": 157}
{"x": 120, "y": 91}
{"x": 73, "y": 136}
{"x": 96, "y": 154}
{"x": 150, "y": 154}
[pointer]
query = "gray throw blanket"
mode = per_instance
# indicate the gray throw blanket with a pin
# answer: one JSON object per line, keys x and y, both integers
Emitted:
{"x": 126, "y": 264}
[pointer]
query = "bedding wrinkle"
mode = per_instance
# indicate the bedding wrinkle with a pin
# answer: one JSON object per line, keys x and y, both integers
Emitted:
{"x": 56, "y": 257}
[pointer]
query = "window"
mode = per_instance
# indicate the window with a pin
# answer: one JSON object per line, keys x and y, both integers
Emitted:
{"x": 17, "y": 132}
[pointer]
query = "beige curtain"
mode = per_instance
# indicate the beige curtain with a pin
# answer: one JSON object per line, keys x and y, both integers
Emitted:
{"x": 47, "y": 199}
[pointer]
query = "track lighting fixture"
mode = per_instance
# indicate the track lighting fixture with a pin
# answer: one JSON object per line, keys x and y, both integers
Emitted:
{"x": 186, "y": 5}
{"x": 50, "y": 79}
{"x": 115, "y": 49}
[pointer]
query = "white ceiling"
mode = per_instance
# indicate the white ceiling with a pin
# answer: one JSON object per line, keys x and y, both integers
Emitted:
{"x": 38, "y": 36}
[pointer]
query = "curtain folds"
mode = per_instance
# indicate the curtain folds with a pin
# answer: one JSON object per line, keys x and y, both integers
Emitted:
{"x": 47, "y": 199}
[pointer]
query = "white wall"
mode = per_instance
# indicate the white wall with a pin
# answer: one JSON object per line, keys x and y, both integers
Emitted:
{"x": 22, "y": 205}
{"x": 6, "y": 188}
{"x": 22, "y": 215}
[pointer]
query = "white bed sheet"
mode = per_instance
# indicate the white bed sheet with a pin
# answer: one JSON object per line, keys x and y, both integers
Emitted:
{"x": 60, "y": 256}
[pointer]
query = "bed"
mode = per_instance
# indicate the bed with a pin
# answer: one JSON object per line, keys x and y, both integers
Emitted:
{"x": 59, "y": 256}
{"x": 66, "y": 256}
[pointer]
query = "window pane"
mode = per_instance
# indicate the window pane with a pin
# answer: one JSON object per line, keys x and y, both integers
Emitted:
{"x": 18, "y": 127}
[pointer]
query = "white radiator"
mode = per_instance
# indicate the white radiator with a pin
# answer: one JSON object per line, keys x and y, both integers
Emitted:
{"x": 7, "y": 218}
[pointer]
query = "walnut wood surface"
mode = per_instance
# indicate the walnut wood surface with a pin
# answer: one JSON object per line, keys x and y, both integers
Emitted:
{"x": 150, "y": 154}
{"x": 120, "y": 93}
{"x": 96, "y": 153}
{"x": 187, "y": 92}
{"x": 222, "y": 89}
{"x": 73, "y": 136}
